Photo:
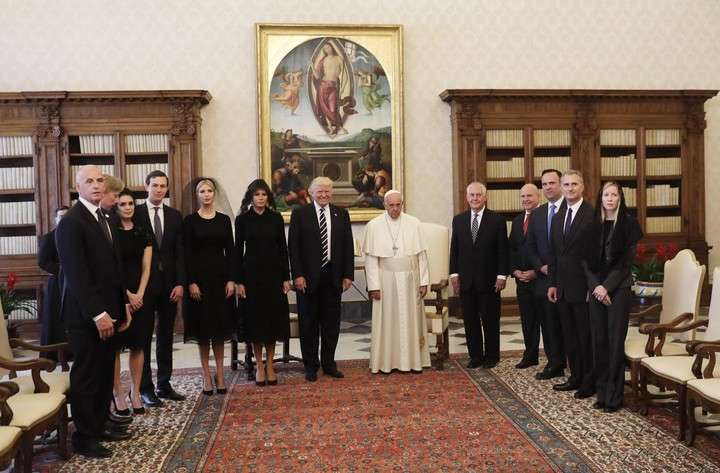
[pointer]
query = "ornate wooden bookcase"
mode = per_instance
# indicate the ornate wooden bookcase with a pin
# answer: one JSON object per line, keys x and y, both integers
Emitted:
{"x": 44, "y": 136}
{"x": 651, "y": 141}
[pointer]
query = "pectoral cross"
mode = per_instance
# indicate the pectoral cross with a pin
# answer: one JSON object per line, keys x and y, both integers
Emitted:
{"x": 395, "y": 249}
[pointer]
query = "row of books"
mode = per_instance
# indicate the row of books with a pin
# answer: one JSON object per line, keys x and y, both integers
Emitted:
{"x": 630, "y": 196}
{"x": 108, "y": 169}
{"x": 662, "y": 137}
{"x": 618, "y": 165}
{"x": 17, "y": 178}
{"x": 135, "y": 173}
{"x": 513, "y": 167}
{"x": 617, "y": 137}
{"x": 17, "y": 213}
{"x": 97, "y": 144}
{"x": 504, "y": 139}
{"x": 662, "y": 194}
{"x": 663, "y": 224}
{"x": 18, "y": 245}
{"x": 504, "y": 199}
{"x": 554, "y": 138}
{"x": 16, "y": 146}
{"x": 146, "y": 143}
{"x": 561, "y": 163}
{"x": 663, "y": 167}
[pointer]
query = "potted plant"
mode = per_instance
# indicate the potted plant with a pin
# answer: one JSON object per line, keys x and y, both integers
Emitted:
{"x": 649, "y": 270}
{"x": 12, "y": 301}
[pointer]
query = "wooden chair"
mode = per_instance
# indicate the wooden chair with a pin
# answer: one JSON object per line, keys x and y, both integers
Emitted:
{"x": 438, "y": 240}
{"x": 673, "y": 372}
{"x": 704, "y": 389}
{"x": 680, "y": 304}
{"x": 10, "y": 436}
{"x": 37, "y": 381}
{"x": 35, "y": 414}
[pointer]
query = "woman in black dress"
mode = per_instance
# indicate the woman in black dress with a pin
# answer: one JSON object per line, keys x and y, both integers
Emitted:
{"x": 262, "y": 276}
{"x": 210, "y": 307}
{"x": 611, "y": 249}
{"x": 135, "y": 245}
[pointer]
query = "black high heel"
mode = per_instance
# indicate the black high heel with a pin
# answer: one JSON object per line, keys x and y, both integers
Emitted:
{"x": 136, "y": 410}
{"x": 219, "y": 390}
{"x": 270, "y": 382}
{"x": 124, "y": 412}
{"x": 208, "y": 392}
{"x": 263, "y": 381}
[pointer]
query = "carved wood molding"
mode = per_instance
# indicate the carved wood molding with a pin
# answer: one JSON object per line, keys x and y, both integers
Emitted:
{"x": 202, "y": 97}
{"x": 187, "y": 118}
{"x": 49, "y": 121}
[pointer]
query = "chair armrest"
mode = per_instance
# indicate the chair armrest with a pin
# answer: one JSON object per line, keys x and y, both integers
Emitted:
{"x": 644, "y": 312}
{"x": 7, "y": 389}
{"x": 439, "y": 286}
{"x": 61, "y": 348}
{"x": 705, "y": 350}
{"x": 679, "y": 329}
{"x": 35, "y": 366}
{"x": 692, "y": 345}
{"x": 646, "y": 328}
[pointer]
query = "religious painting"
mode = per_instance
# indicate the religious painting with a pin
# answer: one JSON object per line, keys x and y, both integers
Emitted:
{"x": 330, "y": 102}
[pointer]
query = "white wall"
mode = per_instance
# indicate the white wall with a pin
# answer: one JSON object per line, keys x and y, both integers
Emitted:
{"x": 183, "y": 44}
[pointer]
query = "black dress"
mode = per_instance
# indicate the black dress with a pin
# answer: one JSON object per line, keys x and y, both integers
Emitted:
{"x": 52, "y": 328}
{"x": 132, "y": 244}
{"x": 208, "y": 262}
{"x": 262, "y": 266}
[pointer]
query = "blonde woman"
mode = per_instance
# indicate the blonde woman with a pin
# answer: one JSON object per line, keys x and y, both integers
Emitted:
{"x": 210, "y": 305}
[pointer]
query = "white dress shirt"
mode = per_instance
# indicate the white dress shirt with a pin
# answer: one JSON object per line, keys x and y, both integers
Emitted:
{"x": 480, "y": 214}
{"x": 326, "y": 209}
{"x": 557, "y": 205}
{"x": 575, "y": 207}
{"x": 151, "y": 214}
{"x": 92, "y": 208}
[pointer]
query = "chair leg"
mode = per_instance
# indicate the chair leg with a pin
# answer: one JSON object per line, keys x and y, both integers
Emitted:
{"x": 690, "y": 438}
{"x": 62, "y": 433}
{"x": 19, "y": 461}
{"x": 644, "y": 394}
{"x": 27, "y": 451}
{"x": 682, "y": 398}
{"x": 634, "y": 366}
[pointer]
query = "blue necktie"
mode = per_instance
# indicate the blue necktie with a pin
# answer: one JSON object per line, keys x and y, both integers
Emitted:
{"x": 568, "y": 222}
{"x": 551, "y": 214}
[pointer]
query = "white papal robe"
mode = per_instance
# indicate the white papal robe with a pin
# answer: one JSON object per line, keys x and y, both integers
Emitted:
{"x": 399, "y": 329}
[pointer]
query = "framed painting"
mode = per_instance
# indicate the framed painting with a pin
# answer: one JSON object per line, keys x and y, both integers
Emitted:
{"x": 330, "y": 101}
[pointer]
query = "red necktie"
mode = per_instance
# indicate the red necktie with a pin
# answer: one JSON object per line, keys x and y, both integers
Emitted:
{"x": 525, "y": 224}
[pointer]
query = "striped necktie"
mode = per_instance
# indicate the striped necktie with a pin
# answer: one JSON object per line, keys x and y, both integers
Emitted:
{"x": 323, "y": 238}
{"x": 475, "y": 226}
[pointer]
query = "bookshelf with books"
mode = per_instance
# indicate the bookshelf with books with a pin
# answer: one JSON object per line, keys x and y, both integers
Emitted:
{"x": 651, "y": 142}
{"x": 46, "y": 136}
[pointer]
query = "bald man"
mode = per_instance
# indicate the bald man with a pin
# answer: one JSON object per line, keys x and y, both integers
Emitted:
{"x": 521, "y": 269}
{"x": 93, "y": 311}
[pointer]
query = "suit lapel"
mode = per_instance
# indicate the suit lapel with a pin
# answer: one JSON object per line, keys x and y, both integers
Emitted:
{"x": 482, "y": 227}
{"x": 576, "y": 223}
{"x": 335, "y": 225}
{"x": 94, "y": 224}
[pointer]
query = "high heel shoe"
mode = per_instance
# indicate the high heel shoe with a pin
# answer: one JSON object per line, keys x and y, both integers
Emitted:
{"x": 136, "y": 410}
{"x": 208, "y": 392}
{"x": 219, "y": 390}
{"x": 124, "y": 412}
{"x": 262, "y": 381}
{"x": 271, "y": 382}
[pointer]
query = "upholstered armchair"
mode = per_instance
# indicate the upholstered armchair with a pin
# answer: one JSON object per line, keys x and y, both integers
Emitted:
{"x": 36, "y": 381}
{"x": 10, "y": 436}
{"x": 704, "y": 389}
{"x": 438, "y": 240}
{"x": 680, "y": 305}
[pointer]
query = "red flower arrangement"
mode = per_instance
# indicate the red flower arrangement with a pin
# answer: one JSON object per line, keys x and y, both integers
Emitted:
{"x": 11, "y": 300}
{"x": 651, "y": 268}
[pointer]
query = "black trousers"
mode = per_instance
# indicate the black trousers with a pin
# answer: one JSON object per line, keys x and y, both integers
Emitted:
{"x": 166, "y": 311}
{"x": 552, "y": 335}
{"x": 609, "y": 326}
{"x": 481, "y": 315}
{"x": 530, "y": 320}
{"x": 91, "y": 381}
{"x": 319, "y": 317}
{"x": 575, "y": 322}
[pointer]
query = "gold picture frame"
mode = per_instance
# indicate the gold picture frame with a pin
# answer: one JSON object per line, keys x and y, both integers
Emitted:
{"x": 330, "y": 102}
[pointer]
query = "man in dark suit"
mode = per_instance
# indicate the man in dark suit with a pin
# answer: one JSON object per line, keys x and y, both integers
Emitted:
{"x": 165, "y": 288}
{"x": 93, "y": 310}
{"x": 538, "y": 250}
{"x": 522, "y": 270}
{"x": 52, "y": 329}
{"x": 321, "y": 249}
{"x": 568, "y": 284}
{"x": 478, "y": 272}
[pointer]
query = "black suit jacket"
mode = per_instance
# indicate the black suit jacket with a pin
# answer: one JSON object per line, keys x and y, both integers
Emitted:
{"x": 538, "y": 246}
{"x": 91, "y": 269}
{"x": 305, "y": 247}
{"x": 170, "y": 256}
{"x": 566, "y": 269}
{"x": 519, "y": 257}
{"x": 479, "y": 264}
{"x": 47, "y": 256}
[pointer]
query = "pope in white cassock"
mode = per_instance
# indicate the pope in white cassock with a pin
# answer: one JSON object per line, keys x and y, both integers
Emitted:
{"x": 396, "y": 269}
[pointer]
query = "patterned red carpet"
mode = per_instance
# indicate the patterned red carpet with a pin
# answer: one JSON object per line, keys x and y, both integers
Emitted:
{"x": 453, "y": 420}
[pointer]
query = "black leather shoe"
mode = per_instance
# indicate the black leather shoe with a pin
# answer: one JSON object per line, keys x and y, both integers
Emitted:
{"x": 474, "y": 364}
{"x": 151, "y": 400}
{"x": 334, "y": 373}
{"x": 598, "y": 405}
{"x": 171, "y": 394}
{"x": 113, "y": 435}
{"x": 610, "y": 409}
{"x": 120, "y": 420}
{"x": 526, "y": 364}
{"x": 580, "y": 394}
{"x": 91, "y": 449}
{"x": 311, "y": 376}
{"x": 565, "y": 387}
{"x": 487, "y": 364}
{"x": 550, "y": 374}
